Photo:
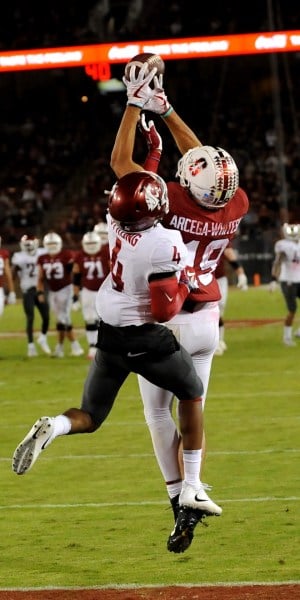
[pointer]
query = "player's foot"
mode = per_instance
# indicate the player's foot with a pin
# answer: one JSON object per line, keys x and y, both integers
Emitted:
{"x": 194, "y": 505}
{"x": 297, "y": 333}
{"x": 289, "y": 342}
{"x": 31, "y": 350}
{"x": 58, "y": 352}
{"x": 175, "y": 506}
{"x": 76, "y": 349}
{"x": 42, "y": 342}
{"x": 38, "y": 438}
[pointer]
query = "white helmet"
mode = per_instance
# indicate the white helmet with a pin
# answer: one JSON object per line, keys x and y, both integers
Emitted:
{"x": 210, "y": 174}
{"x": 91, "y": 242}
{"x": 29, "y": 244}
{"x": 291, "y": 232}
{"x": 102, "y": 230}
{"x": 53, "y": 243}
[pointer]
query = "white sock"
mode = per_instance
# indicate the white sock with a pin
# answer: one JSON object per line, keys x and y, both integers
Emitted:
{"x": 174, "y": 489}
{"x": 287, "y": 332}
{"x": 62, "y": 426}
{"x": 191, "y": 463}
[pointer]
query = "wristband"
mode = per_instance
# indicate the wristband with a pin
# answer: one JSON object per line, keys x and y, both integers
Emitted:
{"x": 166, "y": 114}
{"x": 135, "y": 105}
{"x": 235, "y": 264}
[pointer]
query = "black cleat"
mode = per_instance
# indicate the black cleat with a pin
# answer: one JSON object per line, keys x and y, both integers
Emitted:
{"x": 183, "y": 533}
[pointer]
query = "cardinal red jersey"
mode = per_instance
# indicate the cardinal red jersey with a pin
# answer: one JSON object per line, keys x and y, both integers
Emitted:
{"x": 206, "y": 234}
{"x": 4, "y": 255}
{"x": 57, "y": 269}
{"x": 93, "y": 267}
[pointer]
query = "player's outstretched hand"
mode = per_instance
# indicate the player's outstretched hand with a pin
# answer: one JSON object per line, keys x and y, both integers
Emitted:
{"x": 11, "y": 298}
{"x": 138, "y": 86}
{"x": 273, "y": 286}
{"x": 150, "y": 133}
{"x": 158, "y": 101}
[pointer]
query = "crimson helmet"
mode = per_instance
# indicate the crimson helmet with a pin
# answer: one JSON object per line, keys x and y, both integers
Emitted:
{"x": 138, "y": 200}
{"x": 29, "y": 244}
{"x": 210, "y": 174}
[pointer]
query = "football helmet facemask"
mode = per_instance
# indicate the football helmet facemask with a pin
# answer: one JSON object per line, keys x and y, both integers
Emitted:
{"x": 29, "y": 244}
{"x": 210, "y": 174}
{"x": 291, "y": 232}
{"x": 138, "y": 200}
{"x": 53, "y": 243}
{"x": 91, "y": 242}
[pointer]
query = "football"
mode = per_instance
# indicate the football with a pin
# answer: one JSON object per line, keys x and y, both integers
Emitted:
{"x": 153, "y": 60}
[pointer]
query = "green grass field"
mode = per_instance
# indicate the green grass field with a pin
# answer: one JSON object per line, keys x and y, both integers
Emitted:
{"x": 93, "y": 511}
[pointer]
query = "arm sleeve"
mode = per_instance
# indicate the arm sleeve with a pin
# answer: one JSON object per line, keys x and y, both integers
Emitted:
{"x": 152, "y": 161}
{"x": 167, "y": 298}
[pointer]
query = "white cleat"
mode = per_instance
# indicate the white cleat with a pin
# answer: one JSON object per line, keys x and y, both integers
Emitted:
{"x": 42, "y": 342}
{"x": 31, "y": 350}
{"x": 58, "y": 352}
{"x": 77, "y": 351}
{"x": 288, "y": 342}
{"x": 199, "y": 500}
{"x": 38, "y": 438}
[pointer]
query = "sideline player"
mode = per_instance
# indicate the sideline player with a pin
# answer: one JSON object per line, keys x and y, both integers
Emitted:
{"x": 25, "y": 268}
{"x": 286, "y": 270}
{"x": 55, "y": 275}
{"x": 147, "y": 285}
{"x": 91, "y": 266}
{"x": 6, "y": 278}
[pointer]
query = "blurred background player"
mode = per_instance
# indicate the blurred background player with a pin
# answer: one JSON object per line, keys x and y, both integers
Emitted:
{"x": 55, "y": 275}
{"x": 6, "y": 279}
{"x": 102, "y": 229}
{"x": 25, "y": 268}
{"x": 286, "y": 270}
{"x": 91, "y": 265}
{"x": 230, "y": 257}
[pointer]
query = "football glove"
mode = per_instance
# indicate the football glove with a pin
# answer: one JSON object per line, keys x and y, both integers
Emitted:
{"x": 242, "y": 283}
{"x": 189, "y": 277}
{"x": 11, "y": 298}
{"x": 158, "y": 101}
{"x": 150, "y": 133}
{"x": 137, "y": 86}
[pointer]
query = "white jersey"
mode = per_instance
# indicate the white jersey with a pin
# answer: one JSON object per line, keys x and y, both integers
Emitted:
{"x": 290, "y": 264}
{"x": 124, "y": 298}
{"x": 27, "y": 269}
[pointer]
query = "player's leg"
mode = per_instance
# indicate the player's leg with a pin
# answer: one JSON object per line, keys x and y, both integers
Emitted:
{"x": 28, "y": 301}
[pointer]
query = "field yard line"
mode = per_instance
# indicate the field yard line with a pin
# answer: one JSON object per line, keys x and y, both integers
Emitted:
{"x": 135, "y": 586}
{"x": 149, "y": 455}
{"x": 142, "y": 503}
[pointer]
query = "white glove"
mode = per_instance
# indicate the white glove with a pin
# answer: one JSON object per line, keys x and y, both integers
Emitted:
{"x": 138, "y": 88}
{"x": 242, "y": 283}
{"x": 273, "y": 286}
{"x": 11, "y": 298}
{"x": 158, "y": 101}
{"x": 189, "y": 277}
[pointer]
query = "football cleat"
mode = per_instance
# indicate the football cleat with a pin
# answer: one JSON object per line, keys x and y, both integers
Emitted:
{"x": 38, "y": 438}
{"x": 42, "y": 342}
{"x": 31, "y": 350}
{"x": 175, "y": 506}
{"x": 76, "y": 349}
{"x": 194, "y": 505}
{"x": 58, "y": 352}
{"x": 289, "y": 342}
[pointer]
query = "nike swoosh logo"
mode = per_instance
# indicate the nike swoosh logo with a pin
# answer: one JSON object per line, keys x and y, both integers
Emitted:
{"x": 35, "y": 435}
{"x": 168, "y": 297}
{"x": 132, "y": 355}
{"x": 199, "y": 499}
